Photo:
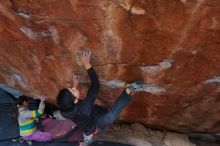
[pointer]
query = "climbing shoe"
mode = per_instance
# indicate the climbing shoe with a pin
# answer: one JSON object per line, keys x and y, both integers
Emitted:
{"x": 137, "y": 85}
{"x": 87, "y": 140}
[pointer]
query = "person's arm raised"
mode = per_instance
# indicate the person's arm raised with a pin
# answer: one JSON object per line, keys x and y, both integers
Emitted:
{"x": 86, "y": 57}
{"x": 89, "y": 101}
{"x": 35, "y": 113}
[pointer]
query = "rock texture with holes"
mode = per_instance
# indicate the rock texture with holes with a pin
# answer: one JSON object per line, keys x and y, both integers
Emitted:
{"x": 172, "y": 45}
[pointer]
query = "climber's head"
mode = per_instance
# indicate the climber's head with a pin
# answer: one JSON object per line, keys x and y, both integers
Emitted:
{"x": 23, "y": 101}
{"x": 67, "y": 98}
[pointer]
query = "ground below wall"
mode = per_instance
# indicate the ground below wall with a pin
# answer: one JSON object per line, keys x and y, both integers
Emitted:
{"x": 138, "y": 135}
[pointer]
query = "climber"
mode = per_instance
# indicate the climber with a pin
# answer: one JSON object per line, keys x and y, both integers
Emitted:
{"x": 83, "y": 112}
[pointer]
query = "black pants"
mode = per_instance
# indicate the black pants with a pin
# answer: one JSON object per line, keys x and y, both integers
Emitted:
{"x": 104, "y": 120}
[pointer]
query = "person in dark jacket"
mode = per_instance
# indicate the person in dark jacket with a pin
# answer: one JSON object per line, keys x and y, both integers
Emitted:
{"x": 83, "y": 112}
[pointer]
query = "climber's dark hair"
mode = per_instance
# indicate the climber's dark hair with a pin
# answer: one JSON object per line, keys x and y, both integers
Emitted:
{"x": 65, "y": 100}
{"x": 19, "y": 102}
{"x": 22, "y": 98}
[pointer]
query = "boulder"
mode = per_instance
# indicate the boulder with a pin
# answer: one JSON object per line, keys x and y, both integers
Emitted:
{"x": 172, "y": 45}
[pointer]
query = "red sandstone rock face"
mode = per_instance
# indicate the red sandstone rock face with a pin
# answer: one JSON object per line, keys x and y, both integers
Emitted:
{"x": 173, "y": 45}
